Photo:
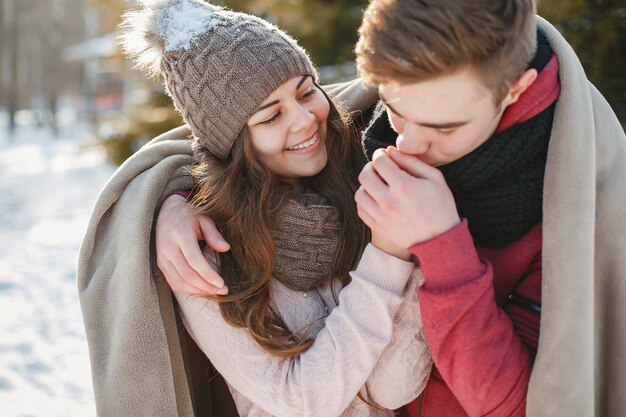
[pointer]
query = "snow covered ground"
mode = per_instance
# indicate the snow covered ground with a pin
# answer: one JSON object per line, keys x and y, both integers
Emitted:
{"x": 47, "y": 189}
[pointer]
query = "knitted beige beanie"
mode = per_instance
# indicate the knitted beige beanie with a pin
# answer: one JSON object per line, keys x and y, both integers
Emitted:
{"x": 218, "y": 65}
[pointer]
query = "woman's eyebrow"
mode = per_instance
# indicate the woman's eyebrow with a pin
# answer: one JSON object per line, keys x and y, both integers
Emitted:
{"x": 265, "y": 106}
{"x": 302, "y": 80}
{"x": 271, "y": 103}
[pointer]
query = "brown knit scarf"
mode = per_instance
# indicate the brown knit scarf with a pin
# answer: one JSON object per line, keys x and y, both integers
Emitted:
{"x": 305, "y": 234}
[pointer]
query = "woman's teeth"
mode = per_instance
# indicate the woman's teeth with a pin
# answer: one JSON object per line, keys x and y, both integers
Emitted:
{"x": 304, "y": 144}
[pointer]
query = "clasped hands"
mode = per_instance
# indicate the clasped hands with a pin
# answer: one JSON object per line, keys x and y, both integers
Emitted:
{"x": 404, "y": 201}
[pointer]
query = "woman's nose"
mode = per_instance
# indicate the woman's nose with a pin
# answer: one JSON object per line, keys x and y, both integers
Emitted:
{"x": 303, "y": 119}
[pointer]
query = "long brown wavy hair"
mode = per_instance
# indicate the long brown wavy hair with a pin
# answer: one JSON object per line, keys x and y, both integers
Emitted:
{"x": 243, "y": 197}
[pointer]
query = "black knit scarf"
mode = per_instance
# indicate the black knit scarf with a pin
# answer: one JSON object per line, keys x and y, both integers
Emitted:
{"x": 499, "y": 186}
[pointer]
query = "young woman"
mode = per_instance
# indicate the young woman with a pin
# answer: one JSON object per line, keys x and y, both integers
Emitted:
{"x": 276, "y": 167}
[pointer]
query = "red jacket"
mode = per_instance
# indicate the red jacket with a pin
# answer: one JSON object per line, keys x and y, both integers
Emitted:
{"x": 482, "y": 345}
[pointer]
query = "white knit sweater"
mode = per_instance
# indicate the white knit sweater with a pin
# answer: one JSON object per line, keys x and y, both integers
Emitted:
{"x": 360, "y": 345}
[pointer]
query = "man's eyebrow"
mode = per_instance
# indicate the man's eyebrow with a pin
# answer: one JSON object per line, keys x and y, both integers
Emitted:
{"x": 447, "y": 125}
{"x": 444, "y": 126}
{"x": 271, "y": 103}
{"x": 386, "y": 103}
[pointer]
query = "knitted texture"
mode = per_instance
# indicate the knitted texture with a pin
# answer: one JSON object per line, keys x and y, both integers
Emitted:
{"x": 218, "y": 65}
{"x": 498, "y": 187}
{"x": 305, "y": 237}
{"x": 365, "y": 333}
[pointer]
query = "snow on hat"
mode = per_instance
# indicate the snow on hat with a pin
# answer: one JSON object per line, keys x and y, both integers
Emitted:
{"x": 218, "y": 65}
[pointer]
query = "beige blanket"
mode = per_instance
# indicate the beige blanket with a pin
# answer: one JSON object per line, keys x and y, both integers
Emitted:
{"x": 580, "y": 370}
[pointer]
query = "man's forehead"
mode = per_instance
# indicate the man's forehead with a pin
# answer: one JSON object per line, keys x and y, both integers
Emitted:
{"x": 437, "y": 105}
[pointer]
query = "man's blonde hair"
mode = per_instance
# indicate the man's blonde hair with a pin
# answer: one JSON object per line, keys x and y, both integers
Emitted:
{"x": 408, "y": 41}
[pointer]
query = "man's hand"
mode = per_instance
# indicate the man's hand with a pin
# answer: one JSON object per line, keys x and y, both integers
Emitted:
{"x": 404, "y": 200}
{"x": 178, "y": 251}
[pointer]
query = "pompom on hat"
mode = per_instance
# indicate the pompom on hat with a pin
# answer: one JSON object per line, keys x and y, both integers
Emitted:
{"x": 218, "y": 65}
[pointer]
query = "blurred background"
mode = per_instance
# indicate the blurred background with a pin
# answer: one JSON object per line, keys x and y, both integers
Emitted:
{"x": 60, "y": 62}
{"x": 72, "y": 109}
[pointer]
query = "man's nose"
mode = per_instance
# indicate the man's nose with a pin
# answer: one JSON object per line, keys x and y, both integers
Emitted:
{"x": 413, "y": 140}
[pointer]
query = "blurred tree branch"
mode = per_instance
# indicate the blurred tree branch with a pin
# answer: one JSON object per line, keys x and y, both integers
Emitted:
{"x": 34, "y": 74}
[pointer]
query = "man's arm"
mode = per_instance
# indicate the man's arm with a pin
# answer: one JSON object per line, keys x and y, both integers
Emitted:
{"x": 472, "y": 340}
{"x": 178, "y": 234}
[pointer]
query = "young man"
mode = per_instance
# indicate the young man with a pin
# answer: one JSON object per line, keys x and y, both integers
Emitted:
{"x": 509, "y": 191}
{"x": 503, "y": 184}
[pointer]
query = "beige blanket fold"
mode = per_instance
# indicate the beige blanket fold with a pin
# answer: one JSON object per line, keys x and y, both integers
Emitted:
{"x": 136, "y": 358}
{"x": 580, "y": 370}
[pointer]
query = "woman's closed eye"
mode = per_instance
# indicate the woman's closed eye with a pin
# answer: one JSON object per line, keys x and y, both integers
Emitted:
{"x": 308, "y": 94}
{"x": 271, "y": 120}
{"x": 304, "y": 97}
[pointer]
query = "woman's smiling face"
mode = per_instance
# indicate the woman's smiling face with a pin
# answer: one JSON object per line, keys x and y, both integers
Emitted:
{"x": 288, "y": 131}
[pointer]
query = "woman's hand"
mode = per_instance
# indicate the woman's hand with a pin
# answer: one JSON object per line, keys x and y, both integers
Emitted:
{"x": 388, "y": 247}
{"x": 179, "y": 255}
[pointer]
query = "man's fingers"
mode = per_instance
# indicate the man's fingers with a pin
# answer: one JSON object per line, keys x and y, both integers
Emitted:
{"x": 366, "y": 207}
{"x": 412, "y": 165}
{"x": 192, "y": 263}
{"x": 212, "y": 236}
{"x": 177, "y": 283}
{"x": 196, "y": 268}
{"x": 372, "y": 183}
{"x": 387, "y": 169}
{"x": 208, "y": 283}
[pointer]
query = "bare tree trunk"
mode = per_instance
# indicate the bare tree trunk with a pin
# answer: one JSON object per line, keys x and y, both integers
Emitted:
{"x": 31, "y": 41}
{"x": 12, "y": 79}
{"x": 53, "y": 50}
{"x": 90, "y": 65}
{"x": 2, "y": 49}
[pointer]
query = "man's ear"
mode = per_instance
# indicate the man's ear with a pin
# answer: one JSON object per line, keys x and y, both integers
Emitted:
{"x": 524, "y": 81}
